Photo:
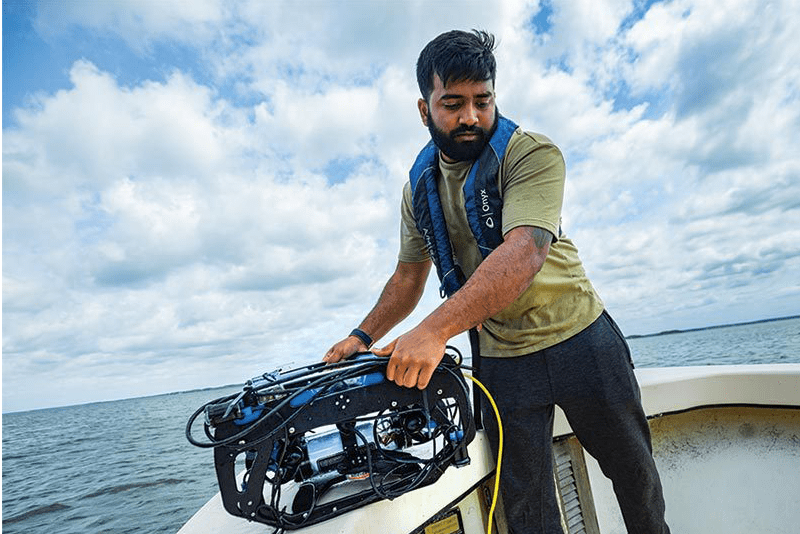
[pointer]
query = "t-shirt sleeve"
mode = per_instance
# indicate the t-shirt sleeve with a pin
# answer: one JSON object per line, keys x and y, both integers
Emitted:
{"x": 532, "y": 183}
{"x": 412, "y": 244}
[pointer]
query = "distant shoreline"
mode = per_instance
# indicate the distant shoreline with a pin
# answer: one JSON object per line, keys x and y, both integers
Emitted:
{"x": 668, "y": 332}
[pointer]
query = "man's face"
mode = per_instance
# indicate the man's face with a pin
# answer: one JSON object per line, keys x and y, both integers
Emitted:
{"x": 460, "y": 117}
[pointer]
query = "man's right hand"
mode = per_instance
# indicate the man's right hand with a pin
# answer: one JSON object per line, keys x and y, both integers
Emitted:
{"x": 344, "y": 349}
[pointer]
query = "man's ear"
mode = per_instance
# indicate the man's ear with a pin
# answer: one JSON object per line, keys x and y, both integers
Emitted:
{"x": 422, "y": 105}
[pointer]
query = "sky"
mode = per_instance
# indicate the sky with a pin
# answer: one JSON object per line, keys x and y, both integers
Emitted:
{"x": 196, "y": 192}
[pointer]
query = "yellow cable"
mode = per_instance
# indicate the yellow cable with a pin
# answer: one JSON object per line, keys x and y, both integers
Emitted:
{"x": 499, "y": 452}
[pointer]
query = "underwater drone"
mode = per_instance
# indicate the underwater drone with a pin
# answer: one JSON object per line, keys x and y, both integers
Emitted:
{"x": 332, "y": 438}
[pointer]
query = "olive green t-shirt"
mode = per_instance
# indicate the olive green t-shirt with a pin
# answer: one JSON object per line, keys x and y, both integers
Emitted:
{"x": 560, "y": 302}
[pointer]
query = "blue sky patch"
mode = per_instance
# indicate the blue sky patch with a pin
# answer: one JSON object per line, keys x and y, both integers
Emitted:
{"x": 542, "y": 21}
{"x": 339, "y": 169}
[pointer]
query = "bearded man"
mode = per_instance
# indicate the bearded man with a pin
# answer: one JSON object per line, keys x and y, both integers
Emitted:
{"x": 483, "y": 204}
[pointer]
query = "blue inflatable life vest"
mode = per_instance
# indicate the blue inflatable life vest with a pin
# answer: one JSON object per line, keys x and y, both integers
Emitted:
{"x": 481, "y": 200}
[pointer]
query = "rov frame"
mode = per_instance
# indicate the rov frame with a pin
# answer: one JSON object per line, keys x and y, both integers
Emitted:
{"x": 336, "y": 436}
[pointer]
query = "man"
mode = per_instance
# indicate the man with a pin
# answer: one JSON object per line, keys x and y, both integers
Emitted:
{"x": 483, "y": 204}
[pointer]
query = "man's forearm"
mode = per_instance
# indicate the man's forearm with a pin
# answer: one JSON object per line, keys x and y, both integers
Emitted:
{"x": 495, "y": 284}
{"x": 398, "y": 299}
{"x": 497, "y": 281}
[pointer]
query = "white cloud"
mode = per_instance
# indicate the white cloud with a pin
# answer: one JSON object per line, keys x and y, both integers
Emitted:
{"x": 160, "y": 240}
{"x": 184, "y": 232}
{"x": 97, "y": 132}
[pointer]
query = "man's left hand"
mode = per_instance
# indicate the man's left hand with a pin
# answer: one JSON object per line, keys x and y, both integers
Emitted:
{"x": 414, "y": 357}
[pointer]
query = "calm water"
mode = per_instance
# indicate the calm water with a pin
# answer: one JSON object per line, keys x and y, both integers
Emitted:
{"x": 774, "y": 342}
{"x": 126, "y": 467}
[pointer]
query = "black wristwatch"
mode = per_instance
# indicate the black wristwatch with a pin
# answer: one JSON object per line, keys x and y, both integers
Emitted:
{"x": 363, "y": 336}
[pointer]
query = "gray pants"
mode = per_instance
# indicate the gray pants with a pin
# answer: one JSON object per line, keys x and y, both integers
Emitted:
{"x": 590, "y": 376}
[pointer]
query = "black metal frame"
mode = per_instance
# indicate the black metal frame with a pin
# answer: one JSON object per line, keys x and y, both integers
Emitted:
{"x": 270, "y": 421}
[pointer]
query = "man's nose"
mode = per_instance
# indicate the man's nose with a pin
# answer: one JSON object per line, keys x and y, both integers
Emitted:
{"x": 469, "y": 116}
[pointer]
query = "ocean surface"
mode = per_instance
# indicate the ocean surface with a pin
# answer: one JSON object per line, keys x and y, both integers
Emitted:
{"x": 126, "y": 467}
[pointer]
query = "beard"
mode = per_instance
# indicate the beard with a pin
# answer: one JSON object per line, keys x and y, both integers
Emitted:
{"x": 457, "y": 150}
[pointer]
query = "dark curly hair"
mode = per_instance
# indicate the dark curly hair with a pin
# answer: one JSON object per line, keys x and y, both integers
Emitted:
{"x": 455, "y": 56}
